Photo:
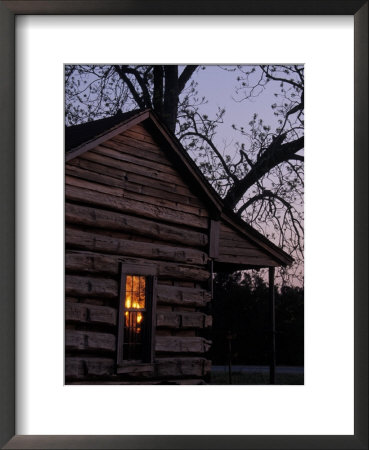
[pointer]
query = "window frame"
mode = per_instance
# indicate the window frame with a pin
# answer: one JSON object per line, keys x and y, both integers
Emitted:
{"x": 149, "y": 272}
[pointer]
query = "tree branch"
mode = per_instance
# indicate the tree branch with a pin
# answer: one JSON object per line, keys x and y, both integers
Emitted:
{"x": 272, "y": 157}
{"x": 283, "y": 80}
{"x": 135, "y": 94}
{"x": 215, "y": 150}
{"x": 141, "y": 82}
{"x": 185, "y": 76}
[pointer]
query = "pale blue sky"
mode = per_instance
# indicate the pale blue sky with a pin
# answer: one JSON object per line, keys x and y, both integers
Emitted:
{"x": 218, "y": 86}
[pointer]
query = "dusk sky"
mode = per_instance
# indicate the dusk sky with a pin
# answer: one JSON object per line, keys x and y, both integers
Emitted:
{"x": 219, "y": 88}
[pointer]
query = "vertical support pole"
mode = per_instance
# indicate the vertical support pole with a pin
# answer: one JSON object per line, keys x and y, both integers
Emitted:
{"x": 272, "y": 362}
{"x": 210, "y": 310}
{"x": 212, "y": 278}
{"x": 229, "y": 338}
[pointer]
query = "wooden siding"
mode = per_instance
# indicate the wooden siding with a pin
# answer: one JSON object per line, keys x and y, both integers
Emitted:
{"x": 92, "y": 368}
{"x": 127, "y": 204}
{"x": 235, "y": 249}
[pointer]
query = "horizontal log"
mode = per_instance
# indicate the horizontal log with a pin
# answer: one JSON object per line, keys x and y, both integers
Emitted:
{"x": 94, "y": 314}
{"x": 189, "y": 382}
{"x": 138, "y": 138}
{"x": 163, "y": 308}
{"x": 77, "y": 367}
{"x": 88, "y": 340}
{"x": 83, "y": 286}
{"x": 82, "y": 261}
{"x": 126, "y": 205}
{"x": 152, "y": 174}
{"x": 262, "y": 261}
{"x": 157, "y": 199}
{"x": 109, "y": 220}
{"x": 88, "y": 262}
{"x": 111, "y": 177}
{"x": 182, "y": 296}
{"x": 125, "y": 149}
{"x": 82, "y": 367}
{"x": 141, "y": 128}
{"x": 126, "y": 178}
{"x": 227, "y": 229}
{"x": 140, "y": 149}
{"x": 97, "y": 301}
{"x": 90, "y": 287}
{"x": 182, "y": 319}
{"x": 175, "y": 367}
{"x": 237, "y": 251}
{"x": 98, "y": 187}
{"x": 167, "y": 368}
{"x": 182, "y": 272}
{"x": 231, "y": 239}
{"x": 85, "y": 313}
{"x": 127, "y": 194}
{"x": 175, "y": 344}
{"x": 97, "y": 177}
{"x": 140, "y": 369}
{"x": 239, "y": 243}
{"x": 75, "y": 238}
{"x": 196, "y": 381}
{"x": 195, "y": 320}
{"x": 167, "y": 319}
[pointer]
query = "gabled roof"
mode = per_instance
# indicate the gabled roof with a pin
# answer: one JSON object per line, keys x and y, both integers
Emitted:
{"x": 84, "y": 137}
{"x": 77, "y": 135}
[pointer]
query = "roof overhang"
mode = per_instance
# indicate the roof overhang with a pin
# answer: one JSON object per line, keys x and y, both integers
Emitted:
{"x": 276, "y": 253}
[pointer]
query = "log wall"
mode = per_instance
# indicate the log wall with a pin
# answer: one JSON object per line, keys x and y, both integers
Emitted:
{"x": 235, "y": 249}
{"x": 125, "y": 202}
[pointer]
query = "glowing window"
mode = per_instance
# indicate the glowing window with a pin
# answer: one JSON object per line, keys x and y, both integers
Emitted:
{"x": 135, "y": 327}
{"x": 134, "y": 317}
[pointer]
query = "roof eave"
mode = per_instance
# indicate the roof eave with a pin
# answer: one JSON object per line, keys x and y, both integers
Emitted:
{"x": 275, "y": 252}
{"x": 96, "y": 140}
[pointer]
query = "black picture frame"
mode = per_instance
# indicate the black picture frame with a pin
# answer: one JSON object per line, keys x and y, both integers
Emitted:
{"x": 8, "y": 11}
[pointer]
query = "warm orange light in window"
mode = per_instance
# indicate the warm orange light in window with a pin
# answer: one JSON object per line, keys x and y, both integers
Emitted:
{"x": 135, "y": 292}
{"x": 135, "y": 299}
{"x": 128, "y": 301}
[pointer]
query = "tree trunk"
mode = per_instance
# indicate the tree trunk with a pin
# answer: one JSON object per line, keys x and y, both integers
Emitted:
{"x": 171, "y": 95}
{"x": 158, "y": 90}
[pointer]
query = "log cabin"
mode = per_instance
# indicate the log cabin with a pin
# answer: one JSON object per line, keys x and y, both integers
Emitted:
{"x": 144, "y": 234}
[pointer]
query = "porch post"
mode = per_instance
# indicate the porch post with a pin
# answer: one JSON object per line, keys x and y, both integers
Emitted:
{"x": 272, "y": 361}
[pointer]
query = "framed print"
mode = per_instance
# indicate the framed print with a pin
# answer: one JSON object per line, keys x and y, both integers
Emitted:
{"x": 40, "y": 410}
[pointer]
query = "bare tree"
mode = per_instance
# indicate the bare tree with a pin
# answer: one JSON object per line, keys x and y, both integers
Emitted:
{"x": 260, "y": 176}
{"x": 103, "y": 90}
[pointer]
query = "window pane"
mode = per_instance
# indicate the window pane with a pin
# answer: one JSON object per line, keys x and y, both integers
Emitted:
{"x": 133, "y": 335}
{"x": 142, "y": 291}
{"x": 135, "y": 292}
{"x": 134, "y": 317}
{"x": 129, "y": 283}
{"x": 128, "y": 299}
